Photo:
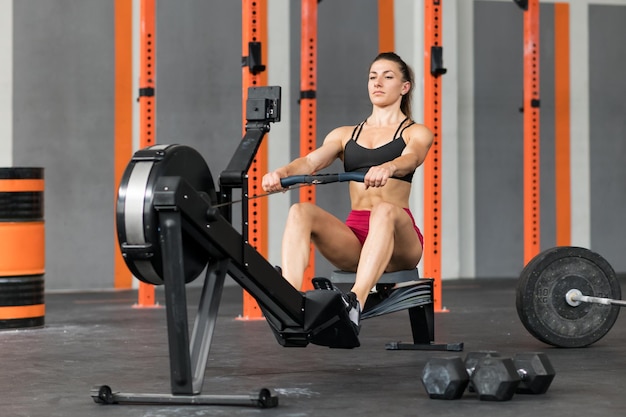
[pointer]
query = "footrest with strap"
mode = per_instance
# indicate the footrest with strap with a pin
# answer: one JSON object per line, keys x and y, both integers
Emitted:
{"x": 402, "y": 290}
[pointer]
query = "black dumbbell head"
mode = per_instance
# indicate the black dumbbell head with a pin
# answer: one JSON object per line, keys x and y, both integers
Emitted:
{"x": 445, "y": 378}
{"x": 471, "y": 360}
{"x": 495, "y": 379}
{"x": 536, "y": 372}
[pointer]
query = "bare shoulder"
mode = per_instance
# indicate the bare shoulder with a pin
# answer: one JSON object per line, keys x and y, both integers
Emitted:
{"x": 419, "y": 134}
{"x": 339, "y": 136}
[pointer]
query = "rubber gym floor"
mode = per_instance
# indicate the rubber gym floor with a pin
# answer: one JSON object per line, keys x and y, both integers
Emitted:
{"x": 98, "y": 338}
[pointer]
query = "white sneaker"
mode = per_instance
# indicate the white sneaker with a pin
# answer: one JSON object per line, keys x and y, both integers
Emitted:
{"x": 353, "y": 307}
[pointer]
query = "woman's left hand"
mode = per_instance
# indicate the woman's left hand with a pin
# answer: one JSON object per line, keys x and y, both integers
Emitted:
{"x": 377, "y": 176}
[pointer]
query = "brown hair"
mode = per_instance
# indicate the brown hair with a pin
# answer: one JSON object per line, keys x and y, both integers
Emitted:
{"x": 407, "y": 75}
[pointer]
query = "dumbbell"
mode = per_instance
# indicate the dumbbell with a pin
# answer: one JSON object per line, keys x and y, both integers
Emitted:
{"x": 447, "y": 378}
{"x": 472, "y": 359}
{"x": 533, "y": 368}
{"x": 494, "y": 378}
{"x": 535, "y": 371}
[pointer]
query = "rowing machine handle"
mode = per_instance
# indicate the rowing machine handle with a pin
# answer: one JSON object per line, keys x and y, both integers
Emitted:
{"x": 322, "y": 178}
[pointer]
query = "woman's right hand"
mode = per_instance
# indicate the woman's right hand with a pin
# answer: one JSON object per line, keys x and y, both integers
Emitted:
{"x": 271, "y": 182}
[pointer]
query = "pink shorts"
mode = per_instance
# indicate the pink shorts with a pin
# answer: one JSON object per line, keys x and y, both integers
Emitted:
{"x": 359, "y": 222}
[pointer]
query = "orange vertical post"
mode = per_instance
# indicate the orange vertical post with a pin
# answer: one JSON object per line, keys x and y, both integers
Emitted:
{"x": 562, "y": 125}
{"x": 386, "y": 37}
{"x": 531, "y": 132}
{"x": 254, "y": 29}
{"x": 123, "y": 141}
{"x": 433, "y": 70}
{"x": 147, "y": 105}
{"x": 308, "y": 108}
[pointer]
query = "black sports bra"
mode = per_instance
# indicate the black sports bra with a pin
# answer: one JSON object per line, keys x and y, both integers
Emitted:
{"x": 356, "y": 158}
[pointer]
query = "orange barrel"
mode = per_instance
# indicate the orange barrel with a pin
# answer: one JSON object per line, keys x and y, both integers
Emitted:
{"x": 22, "y": 248}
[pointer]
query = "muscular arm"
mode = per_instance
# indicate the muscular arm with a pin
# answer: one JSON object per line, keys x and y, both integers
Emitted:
{"x": 318, "y": 159}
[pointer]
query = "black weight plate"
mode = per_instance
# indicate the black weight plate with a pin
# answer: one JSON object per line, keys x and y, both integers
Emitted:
{"x": 137, "y": 220}
{"x": 541, "y": 303}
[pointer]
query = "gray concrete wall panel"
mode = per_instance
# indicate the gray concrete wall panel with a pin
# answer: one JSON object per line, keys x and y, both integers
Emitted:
{"x": 498, "y": 70}
{"x": 199, "y": 77}
{"x": 499, "y": 135}
{"x": 607, "y": 89}
{"x": 63, "y": 121}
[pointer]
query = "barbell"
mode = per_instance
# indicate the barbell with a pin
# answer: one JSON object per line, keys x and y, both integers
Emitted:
{"x": 568, "y": 297}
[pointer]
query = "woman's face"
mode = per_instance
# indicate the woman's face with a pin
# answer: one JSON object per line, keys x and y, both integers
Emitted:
{"x": 385, "y": 85}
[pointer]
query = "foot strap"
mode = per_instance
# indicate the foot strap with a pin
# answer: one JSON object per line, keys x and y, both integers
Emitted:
{"x": 400, "y": 297}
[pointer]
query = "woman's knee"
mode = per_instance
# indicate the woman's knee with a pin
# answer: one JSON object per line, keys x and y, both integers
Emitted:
{"x": 301, "y": 212}
{"x": 385, "y": 212}
{"x": 300, "y": 209}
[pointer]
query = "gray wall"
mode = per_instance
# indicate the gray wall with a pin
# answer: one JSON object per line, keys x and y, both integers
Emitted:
{"x": 63, "y": 116}
{"x": 64, "y": 106}
{"x": 63, "y": 121}
{"x": 499, "y": 135}
{"x": 199, "y": 77}
{"x": 607, "y": 88}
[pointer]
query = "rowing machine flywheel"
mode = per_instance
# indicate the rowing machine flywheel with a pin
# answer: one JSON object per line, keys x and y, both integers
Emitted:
{"x": 137, "y": 219}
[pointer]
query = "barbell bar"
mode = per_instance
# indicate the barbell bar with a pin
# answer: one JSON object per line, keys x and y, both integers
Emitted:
{"x": 575, "y": 298}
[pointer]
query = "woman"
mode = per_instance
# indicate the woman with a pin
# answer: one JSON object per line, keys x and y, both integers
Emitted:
{"x": 379, "y": 234}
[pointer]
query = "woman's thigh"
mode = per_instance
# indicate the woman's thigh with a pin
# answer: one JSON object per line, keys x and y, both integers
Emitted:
{"x": 335, "y": 241}
{"x": 407, "y": 248}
